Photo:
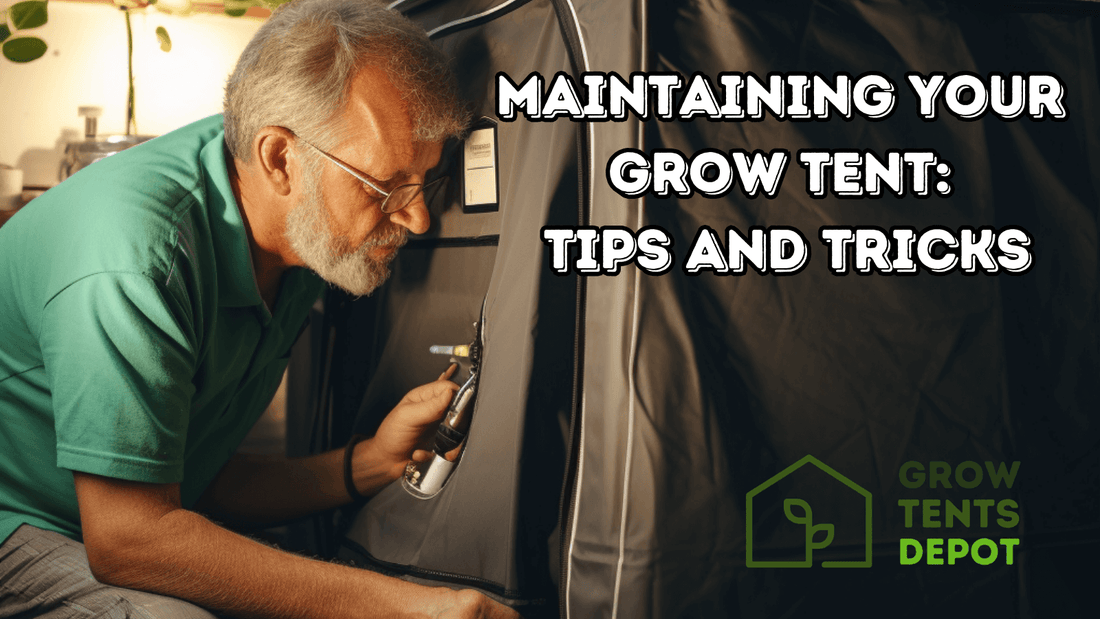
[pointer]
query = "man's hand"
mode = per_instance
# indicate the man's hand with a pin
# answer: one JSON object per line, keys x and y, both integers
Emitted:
{"x": 253, "y": 490}
{"x": 404, "y": 432}
{"x": 468, "y": 604}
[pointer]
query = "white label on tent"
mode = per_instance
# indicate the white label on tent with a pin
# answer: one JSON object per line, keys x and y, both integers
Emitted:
{"x": 481, "y": 167}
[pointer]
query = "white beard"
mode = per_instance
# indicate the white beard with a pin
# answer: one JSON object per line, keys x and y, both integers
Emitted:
{"x": 353, "y": 270}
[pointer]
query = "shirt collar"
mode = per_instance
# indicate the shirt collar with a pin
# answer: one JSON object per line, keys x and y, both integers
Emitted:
{"x": 236, "y": 278}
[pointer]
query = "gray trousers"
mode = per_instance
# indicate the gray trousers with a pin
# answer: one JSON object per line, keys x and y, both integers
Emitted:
{"x": 45, "y": 574}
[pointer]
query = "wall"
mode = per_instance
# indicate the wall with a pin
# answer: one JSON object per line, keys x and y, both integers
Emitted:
{"x": 86, "y": 65}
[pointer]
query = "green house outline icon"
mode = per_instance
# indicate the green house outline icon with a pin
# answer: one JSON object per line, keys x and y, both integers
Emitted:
{"x": 808, "y": 562}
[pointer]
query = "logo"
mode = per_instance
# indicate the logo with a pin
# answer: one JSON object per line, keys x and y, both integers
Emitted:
{"x": 969, "y": 506}
{"x": 798, "y": 511}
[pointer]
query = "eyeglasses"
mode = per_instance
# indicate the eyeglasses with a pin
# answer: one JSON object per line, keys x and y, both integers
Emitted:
{"x": 392, "y": 201}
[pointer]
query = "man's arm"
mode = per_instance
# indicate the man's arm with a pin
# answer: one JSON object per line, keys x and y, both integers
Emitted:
{"x": 262, "y": 490}
{"x": 137, "y": 536}
{"x": 266, "y": 489}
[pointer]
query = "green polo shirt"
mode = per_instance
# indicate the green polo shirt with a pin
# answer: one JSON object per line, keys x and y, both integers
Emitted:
{"x": 133, "y": 340}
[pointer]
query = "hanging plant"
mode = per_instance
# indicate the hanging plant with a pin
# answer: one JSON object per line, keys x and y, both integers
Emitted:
{"x": 163, "y": 39}
{"x": 19, "y": 46}
{"x": 22, "y": 16}
{"x": 30, "y": 14}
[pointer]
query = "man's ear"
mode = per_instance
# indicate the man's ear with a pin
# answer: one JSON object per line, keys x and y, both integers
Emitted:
{"x": 276, "y": 159}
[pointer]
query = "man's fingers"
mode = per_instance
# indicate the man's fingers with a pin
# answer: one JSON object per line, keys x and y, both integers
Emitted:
{"x": 424, "y": 405}
{"x": 496, "y": 610}
{"x": 470, "y": 604}
{"x": 431, "y": 391}
{"x": 436, "y": 398}
{"x": 448, "y": 372}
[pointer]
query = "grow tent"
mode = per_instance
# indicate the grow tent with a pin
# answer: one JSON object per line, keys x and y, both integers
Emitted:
{"x": 623, "y": 423}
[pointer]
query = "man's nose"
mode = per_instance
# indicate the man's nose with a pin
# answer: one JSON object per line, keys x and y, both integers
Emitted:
{"x": 415, "y": 216}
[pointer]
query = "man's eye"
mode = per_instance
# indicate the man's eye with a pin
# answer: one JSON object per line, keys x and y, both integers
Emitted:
{"x": 372, "y": 192}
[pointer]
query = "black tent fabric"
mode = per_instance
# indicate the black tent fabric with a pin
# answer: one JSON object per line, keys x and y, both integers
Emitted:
{"x": 717, "y": 445}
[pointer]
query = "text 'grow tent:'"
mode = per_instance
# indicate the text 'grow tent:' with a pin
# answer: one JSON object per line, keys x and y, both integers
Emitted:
{"x": 628, "y": 429}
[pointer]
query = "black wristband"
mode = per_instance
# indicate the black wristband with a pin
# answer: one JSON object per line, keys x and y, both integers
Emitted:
{"x": 349, "y": 481}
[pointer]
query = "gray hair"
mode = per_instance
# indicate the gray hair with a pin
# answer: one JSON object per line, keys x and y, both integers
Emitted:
{"x": 296, "y": 70}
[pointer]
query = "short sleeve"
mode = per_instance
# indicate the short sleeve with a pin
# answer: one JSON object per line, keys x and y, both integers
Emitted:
{"x": 120, "y": 357}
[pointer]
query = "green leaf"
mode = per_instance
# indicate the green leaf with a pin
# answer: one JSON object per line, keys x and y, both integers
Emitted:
{"x": 30, "y": 14}
{"x": 165, "y": 41}
{"x": 5, "y": 32}
{"x": 24, "y": 49}
{"x": 236, "y": 8}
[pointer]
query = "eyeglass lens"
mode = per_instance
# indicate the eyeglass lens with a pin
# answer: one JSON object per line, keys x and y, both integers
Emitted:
{"x": 400, "y": 198}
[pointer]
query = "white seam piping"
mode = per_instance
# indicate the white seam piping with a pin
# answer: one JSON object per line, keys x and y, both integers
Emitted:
{"x": 499, "y": 7}
{"x": 580, "y": 35}
{"x": 576, "y": 510}
{"x": 628, "y": 459}
{"x": 580, "y": 447}
{"x": 588, "y": 126}
{"x": 635, "y": 318}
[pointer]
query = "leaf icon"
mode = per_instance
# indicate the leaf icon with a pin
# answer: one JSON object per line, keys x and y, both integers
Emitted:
{"x": 807, "y": 517}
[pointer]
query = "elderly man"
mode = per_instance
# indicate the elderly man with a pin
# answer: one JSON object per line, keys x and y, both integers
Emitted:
{"x": 147, "y": 306}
